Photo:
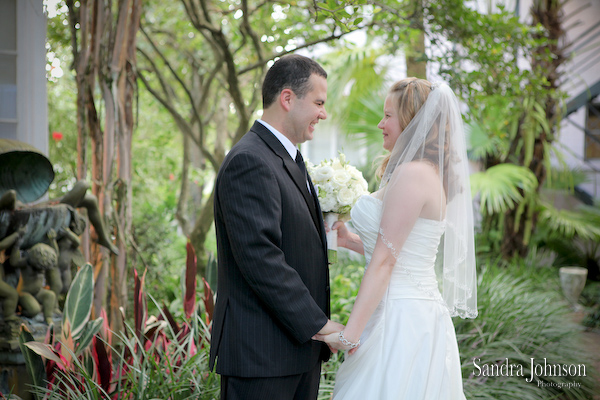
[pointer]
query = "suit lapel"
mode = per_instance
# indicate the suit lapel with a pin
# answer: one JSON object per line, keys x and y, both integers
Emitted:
{"x": 294, "y": 172}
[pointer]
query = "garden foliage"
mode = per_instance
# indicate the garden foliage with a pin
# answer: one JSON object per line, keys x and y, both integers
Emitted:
{"x": 156, "y": 357}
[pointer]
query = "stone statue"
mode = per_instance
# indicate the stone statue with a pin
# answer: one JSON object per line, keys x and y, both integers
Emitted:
{"x": 41, "y": 240}
{"x": 70, "y": 257}
{"x": 35, "y": 263}
{"x": 59, "y": 215}
{"x": 8, "y": 294}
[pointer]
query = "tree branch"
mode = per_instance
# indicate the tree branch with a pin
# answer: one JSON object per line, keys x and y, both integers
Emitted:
{"x": 329, "y": 38}
{"x": 177, "y": 78}
{"x": 248, "y": 29}
{"x": 161, "y": 79}
{"x": 179, "y": 120}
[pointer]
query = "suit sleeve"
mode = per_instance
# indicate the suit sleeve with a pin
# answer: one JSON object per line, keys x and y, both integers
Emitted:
{"x": 251, "y": 205}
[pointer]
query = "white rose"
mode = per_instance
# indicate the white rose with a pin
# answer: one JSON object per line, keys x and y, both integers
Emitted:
{"x": 346, "y": 197}
{"x": 328, "y": 203}
{"x": 354, "y": 173}
{"x": 328, "y": 187}
{"x": 324, "y": 190}
{"x": 359, "y": 185}
{"x": 341, "y": 177}
{"x": 322, "y": 173}
{"x": 364, "y": 186}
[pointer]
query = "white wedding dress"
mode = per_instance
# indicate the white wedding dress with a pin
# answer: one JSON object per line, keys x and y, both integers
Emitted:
{"x": 408, "y": 348}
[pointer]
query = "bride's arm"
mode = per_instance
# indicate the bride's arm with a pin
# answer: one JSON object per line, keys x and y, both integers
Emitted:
{"x": 403, "y": 206}
{"x": 347, "y": 239}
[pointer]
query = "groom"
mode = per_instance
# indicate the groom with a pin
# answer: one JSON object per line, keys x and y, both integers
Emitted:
{"x": 273, "y": 291}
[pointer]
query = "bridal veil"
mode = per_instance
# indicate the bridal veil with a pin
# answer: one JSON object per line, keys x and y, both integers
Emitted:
{"x": 436, "y": 136}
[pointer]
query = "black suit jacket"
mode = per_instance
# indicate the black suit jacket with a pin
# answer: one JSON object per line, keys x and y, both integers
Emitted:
{"x": 273, "y": 279}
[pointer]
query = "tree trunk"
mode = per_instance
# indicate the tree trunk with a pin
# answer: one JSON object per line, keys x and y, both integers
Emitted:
{"x": 416, "y": 61}
{"x": 100, "y": 35}
{"x": 416, "y": 64}
{"x": 123, "y": 90}
{"x": 520, "y": 223}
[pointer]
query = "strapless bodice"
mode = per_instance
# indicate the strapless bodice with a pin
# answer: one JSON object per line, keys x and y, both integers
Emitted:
{"x": 414, "y": 273}
{"x": 408, "y": 347}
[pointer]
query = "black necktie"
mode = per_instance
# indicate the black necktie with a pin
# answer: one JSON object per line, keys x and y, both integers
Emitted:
{"x": 311, "y": 188}
{"x": 301, "y": 165}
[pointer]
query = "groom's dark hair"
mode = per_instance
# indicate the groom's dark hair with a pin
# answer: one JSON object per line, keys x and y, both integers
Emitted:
{"x": 291, "y": 71}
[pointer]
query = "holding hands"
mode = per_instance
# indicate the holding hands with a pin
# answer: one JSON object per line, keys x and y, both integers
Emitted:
{"x": 330, "y": 328}
{"x": 332, "y": 334}
{"x": 337, "y": 341}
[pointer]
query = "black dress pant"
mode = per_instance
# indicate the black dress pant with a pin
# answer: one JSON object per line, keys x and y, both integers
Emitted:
{"x": 294, "y": 387}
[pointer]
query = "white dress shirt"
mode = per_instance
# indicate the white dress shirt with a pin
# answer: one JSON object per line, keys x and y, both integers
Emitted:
{"x": 287, "y": 143}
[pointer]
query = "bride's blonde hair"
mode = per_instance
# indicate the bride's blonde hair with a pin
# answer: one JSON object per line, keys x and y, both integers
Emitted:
{"x": 408, "y": 95}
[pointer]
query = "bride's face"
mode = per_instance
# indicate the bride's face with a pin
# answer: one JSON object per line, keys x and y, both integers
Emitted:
{"x": 390, "y": 124}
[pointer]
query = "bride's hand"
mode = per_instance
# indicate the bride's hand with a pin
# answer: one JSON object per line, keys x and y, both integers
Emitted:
{"x": 348, "y": 239}
{"x": 343, "y": 234}
{"x": 333, "y": 341}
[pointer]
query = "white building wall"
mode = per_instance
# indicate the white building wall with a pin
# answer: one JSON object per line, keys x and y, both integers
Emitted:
{"x": 582, "y": 24}
{"x": 32, "y": 98}
{"x": 31, "y": 103}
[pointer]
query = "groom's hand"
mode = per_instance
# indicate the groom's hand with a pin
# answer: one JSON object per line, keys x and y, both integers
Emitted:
{"x": 329, "y": 328}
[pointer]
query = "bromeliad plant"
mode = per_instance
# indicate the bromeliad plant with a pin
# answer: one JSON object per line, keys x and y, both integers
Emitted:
{"x": 155, "y": 358}
{"x": 78, "y": 347}
{"x": 161, "y": 358}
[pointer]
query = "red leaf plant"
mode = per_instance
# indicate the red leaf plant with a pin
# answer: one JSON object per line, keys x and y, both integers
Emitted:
{"x": 68, "y": 362}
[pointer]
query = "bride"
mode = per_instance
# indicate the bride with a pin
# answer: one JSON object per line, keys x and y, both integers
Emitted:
{"x": 416, "y": 233}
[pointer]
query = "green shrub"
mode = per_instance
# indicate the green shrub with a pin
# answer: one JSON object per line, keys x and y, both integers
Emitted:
{"x": 590, "y": 298}
{"x": 345, "y": 277}
{"x": 519, "y": 321}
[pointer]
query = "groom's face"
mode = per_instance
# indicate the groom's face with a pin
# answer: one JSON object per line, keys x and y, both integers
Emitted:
{"x": 306, "y": 112}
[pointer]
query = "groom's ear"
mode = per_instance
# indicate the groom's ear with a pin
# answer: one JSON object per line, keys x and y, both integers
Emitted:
{"x": 286, "y": 98}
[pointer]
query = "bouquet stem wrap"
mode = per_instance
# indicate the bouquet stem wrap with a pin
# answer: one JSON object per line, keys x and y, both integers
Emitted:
{"x": 331, "y": 218}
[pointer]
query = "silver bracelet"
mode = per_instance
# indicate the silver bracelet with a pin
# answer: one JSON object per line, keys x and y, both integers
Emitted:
{"x": 346, "y": 342}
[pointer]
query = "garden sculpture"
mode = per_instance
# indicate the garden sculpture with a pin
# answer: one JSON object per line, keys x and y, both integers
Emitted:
{"x": 39, "y": 243}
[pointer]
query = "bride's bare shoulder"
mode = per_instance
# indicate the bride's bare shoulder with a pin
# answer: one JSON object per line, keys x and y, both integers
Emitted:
{"x": 418, "y": 170}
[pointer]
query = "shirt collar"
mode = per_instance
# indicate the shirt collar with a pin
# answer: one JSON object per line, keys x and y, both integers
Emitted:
{"x": 289, "y": 146}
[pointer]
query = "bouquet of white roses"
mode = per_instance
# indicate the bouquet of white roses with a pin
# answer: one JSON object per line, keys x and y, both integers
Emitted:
{"x": 339, "y": 185}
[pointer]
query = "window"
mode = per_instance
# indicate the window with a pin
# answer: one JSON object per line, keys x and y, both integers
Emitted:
{"x": 592, "y": 135}
{"x": 8, "y": 68}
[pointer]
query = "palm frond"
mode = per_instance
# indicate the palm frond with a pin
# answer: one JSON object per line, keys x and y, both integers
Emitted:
{"x": 363, "y": 120}
{"x": 502, "y": 187}
{"x": 360, "y": 124}
{"x": 356, "y": 88}
{"x": 480, "y": 144}
{"x": 583, "y": 222}
{"x": 354, "y": 71}
{"x": 565, "y": 178}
